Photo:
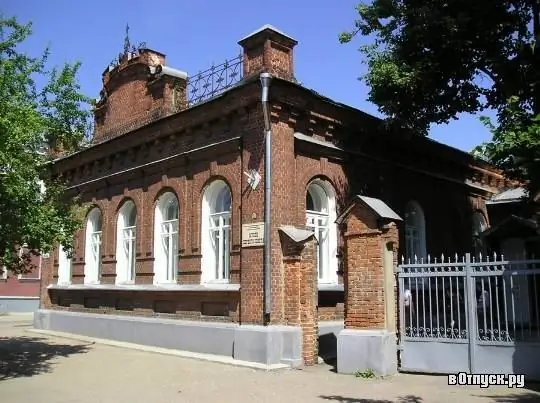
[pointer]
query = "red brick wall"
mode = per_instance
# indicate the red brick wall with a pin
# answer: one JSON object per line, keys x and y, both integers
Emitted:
{"x": 134, "y": 98}
{"x": 187, "y": 177}
{"x": 26, "y": 286}
{"x": 300, "y": 276}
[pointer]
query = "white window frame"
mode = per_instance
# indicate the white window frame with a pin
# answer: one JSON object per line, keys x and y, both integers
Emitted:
{"x": 166, "y": 240}
{"x": 216, "y": 233}
{"x": 322, "y": 221}
{"x": 64, "y": 267}
{"x": 126, "y": 244}
{"x": 4, "y": 274}
{"x": 93, "y": 251}
{"x": 415, "y": 232}
{"x": 21, "y": 277}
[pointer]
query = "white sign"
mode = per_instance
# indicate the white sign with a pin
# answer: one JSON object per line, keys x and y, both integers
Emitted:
{"x": 253, "y": 234}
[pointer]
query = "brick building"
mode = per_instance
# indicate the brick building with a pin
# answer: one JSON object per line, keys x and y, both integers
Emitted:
{"x": 20, "y": 292}
{"x": 171, "y": 251}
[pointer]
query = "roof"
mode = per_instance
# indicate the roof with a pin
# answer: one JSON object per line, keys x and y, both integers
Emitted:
{"x": 509, "y": 196}
{"x": 269, "y": 27}
{"x": 296, "y": 234}
{"x": 513, "y": 223}
{"x": 376, "y": 205}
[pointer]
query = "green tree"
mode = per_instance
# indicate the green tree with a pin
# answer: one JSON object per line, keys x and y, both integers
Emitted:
{"x": 429, "y": 60}
{"x": 34, "y": 211}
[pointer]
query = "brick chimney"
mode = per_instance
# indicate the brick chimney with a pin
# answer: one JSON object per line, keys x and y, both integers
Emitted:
{"x": 138, "y": 89}
{"x": 269, "y": 50}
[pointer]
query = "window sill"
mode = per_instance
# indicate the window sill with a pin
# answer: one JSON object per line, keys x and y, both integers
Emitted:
{"x": 125, "y": 283}
{"x": 147, "y": 287}
{"x": 28, "y": 280}
{"x": 93, "y": 284}
{"x": 331, "y": 287}
{"x": 216, "y": 282}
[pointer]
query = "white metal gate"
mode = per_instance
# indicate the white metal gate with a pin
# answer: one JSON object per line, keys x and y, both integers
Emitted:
{"x": 470, "y": 315}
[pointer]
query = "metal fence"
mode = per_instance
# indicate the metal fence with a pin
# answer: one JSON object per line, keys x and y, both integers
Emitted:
{"x": 469, "y": 314}
{"x": 212, "y": 82}
{"x": 200, "y": 87}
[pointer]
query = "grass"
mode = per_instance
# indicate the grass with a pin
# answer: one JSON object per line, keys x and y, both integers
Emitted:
{"x": 366, "y": 374}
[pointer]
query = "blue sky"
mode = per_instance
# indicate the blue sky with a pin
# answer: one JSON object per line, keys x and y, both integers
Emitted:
{"x": 195, "y": 34}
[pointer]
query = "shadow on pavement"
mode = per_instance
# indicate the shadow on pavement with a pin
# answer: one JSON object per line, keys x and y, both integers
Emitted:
{"x": 29, "y": 356}
{"x": 514, "y": 398}
{"x": 403, "y": 399}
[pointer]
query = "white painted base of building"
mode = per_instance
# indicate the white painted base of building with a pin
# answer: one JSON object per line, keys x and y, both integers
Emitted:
{"x": 364, "y": 350}
{"x": 268, "y": 345}
{"x": 14, "y": 304}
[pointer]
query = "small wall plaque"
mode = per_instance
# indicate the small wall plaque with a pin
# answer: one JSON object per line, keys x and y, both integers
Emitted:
{"x": 253, "y": 234}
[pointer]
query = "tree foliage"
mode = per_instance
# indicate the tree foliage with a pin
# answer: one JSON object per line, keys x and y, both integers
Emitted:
{"x": 34, "y": 210}
{"x": 429, "y": 60}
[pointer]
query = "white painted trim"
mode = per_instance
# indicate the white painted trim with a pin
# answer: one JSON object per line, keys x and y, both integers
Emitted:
{"x": 217, "y": 282}
{"x": 123, "y": 275}
{"x": 330, "y": 275}
{"x": 92, "y": 265}
{"x": 16, "y": 297}
{"x": 148, "y": 287}
{"x": 208, "y": 261}
{"x": 160, "y": 260}
{"x": 330, "y": 287}
{"x": 64, "y": 267}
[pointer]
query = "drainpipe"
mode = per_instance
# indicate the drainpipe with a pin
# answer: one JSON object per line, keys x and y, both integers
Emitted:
{"x": 266, "y": 78}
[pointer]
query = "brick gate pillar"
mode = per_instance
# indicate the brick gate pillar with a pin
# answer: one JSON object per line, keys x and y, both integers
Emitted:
{"x": 300, "y": 271}
{"x": 368, "y": 341}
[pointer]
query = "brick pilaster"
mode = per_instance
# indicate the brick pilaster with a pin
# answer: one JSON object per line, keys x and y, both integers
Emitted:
{"x": 368, "y": 279}
{"x": 301, "y": 292}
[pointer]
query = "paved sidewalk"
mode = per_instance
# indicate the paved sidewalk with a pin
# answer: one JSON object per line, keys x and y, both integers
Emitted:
{"x": 47, "y": 369}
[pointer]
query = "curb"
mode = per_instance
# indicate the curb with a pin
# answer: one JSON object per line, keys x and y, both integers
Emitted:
{"x": 165, "y": 351}
{"x": 16, "y": 317}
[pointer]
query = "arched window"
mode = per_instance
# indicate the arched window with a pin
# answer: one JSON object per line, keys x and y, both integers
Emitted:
{"x": 92, "y": 255}
{"x": 479, "y": 225}
{"x": 216, "y": 232}
{"x": 166, "y": 239}
{"x": 125, "y": 243}
{"x": 321, "y": 218}
{"x": 64, "y": 266}
{"x": 415, "y": 232}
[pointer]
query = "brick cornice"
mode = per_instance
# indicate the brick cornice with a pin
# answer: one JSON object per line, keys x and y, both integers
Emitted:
{"x": 312, "y": 113}
{"x": 238, "y": 100}
{"x": 135, "y": 147}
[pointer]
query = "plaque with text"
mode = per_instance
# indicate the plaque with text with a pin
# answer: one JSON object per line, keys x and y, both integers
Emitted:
{"x": 253, "y": 234}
